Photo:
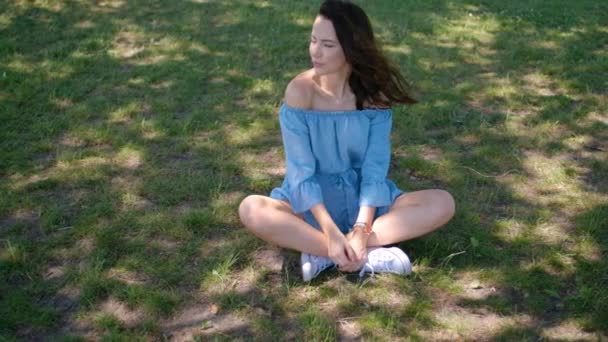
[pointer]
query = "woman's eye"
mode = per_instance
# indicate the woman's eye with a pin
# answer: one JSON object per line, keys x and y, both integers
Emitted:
{"x": 329, "y": 46}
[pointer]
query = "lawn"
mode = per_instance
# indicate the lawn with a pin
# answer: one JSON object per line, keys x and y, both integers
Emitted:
{"x": 130, "y": 131}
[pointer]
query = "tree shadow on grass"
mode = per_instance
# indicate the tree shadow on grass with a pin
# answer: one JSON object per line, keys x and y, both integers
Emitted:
{"x": 128, "y": 149}
{"x": 480, "y": 156}
{"x": 139, "y": 175}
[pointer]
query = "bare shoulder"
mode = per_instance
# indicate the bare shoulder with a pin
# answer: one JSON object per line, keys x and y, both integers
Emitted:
{"x": 299, "y": 92}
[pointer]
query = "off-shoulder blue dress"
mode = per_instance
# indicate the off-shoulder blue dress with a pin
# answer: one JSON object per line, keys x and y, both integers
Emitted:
{"x": 340, "y": 159}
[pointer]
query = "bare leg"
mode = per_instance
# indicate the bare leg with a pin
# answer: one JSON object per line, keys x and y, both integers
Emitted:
{"x": 274, "y": 221}
{"x": 412, "y": 215}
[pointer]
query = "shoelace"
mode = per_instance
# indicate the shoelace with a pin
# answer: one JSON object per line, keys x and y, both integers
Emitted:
{"x": 362, "y": 272}
{"x": 371, "y": 267}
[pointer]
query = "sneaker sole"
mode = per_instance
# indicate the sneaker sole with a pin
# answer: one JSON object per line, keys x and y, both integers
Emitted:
{"x": 405, "y": 260}
{"x": 306, "y": 266}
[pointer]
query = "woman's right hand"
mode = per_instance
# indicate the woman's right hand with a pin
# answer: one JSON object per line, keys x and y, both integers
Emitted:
{"x": 341, "y": 252}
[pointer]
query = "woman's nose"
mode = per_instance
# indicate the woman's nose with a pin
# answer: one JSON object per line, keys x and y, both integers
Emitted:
{"x": 315, "y": 50}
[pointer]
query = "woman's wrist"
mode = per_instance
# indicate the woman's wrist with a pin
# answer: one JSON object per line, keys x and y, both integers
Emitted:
{"x": 359, "y": 233}
{"x": 330, "y": 230}
{"x": 363, "y": 226}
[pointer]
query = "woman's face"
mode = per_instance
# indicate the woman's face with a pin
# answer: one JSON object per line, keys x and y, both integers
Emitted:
{"x": 325, "y": 51}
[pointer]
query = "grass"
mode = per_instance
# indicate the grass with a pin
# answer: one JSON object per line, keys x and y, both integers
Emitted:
{"x": 132, "y": 129}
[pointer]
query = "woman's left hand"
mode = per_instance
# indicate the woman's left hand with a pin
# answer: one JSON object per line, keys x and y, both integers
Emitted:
{"x": 358, "y": 241}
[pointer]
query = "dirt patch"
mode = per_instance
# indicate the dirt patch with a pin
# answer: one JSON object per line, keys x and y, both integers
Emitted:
{"x": 54, "y": 273}
{"x": 127, "y": 316}
{"x": 69, "y": 140}
{"x": 183, "y": 208}
{"x": 271, "y": 259}
{"x": 86, "y": 245}
{"x": 272, "y": 162}
{"x": 27, "y": 217}
{"x": 469, "y": 140}
{"x": 127, "y": 45}
{"x": 65, "y": 301}
{"x": 462, "y": 319}
{"x": 431, "y": 154}
{"x": 132, "y": 162}
{"x": 84, "y": 24}
{"x": 475, "y": 289}
{"x": 228, "y": 199}
{"x": 135, "y": 202}
{"x": 165, "y": 246}
{"x": 126, "y": 276}
{"x": 220, "y": 80}
{"x": 230, "y": 325}
{"x": 241, "y": 103}
{"x": 568, "y": 331}
{"x": 349, "y": 330}
{"x": 478, "y": 104}
{"x": 203, "y": 319}
{"x": 541, "y": 85}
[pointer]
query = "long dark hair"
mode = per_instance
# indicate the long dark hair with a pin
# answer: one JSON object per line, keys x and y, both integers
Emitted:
{"x": 374, "y": 79}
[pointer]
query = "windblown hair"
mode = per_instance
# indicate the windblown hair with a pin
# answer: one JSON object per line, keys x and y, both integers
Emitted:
{"x": 374, "y": 79}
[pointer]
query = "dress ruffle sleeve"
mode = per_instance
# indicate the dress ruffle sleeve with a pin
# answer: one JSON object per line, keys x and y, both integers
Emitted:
{"x": 375, "y": 190}
{"x": 303, "y": 190}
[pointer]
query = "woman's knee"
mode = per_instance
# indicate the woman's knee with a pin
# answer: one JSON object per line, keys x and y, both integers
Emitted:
{"x": 445, "y": 204}
{"x": 250, "y": 209}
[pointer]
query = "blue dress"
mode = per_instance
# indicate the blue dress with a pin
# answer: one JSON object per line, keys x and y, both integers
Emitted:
{"x": 340, "y": 159}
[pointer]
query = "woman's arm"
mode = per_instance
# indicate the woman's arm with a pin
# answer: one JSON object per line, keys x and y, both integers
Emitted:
{"x": 374, "y": 169}
{"x": 359, "y": 235}
{"x": 374, "y": 190}
{"x": 338, "y": 248}
{"x": 304, "y": 191}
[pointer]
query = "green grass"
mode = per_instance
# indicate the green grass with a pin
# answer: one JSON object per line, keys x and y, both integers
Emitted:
{"x": 132, "y": 129}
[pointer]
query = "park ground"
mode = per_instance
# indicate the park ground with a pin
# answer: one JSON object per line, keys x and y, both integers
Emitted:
{"x": 130, "y": 131}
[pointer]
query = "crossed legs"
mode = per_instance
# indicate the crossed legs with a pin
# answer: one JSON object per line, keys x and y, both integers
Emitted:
{"x": 412, "y": 215}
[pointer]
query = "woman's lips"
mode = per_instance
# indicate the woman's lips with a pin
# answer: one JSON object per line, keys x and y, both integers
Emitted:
{"x": 317, "y": 64}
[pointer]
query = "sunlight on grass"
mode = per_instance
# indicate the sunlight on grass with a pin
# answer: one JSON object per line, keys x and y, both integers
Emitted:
{"x": 244, "y": 135}
{"x": 262, "y": 88}
{"x": 129, "y": 158}
{"x": 317, "y": 326}
{"x": 11, "y": 252}
{"x": 542, "y": 85}
{"x": 132, "y": 132}
{"x": 399, "y": 49}
{"x": 5, "y": 20}
{"x": 568, "y": 330}
{"x": 470, "y": 27}
{"x": 20, "y": 65}
{"x": 510, "y": 229}
{"x": 588, "y": 248}
{"x": 128, "y": 43}
{"x": 459, "y": 323}
{"x": 114, "y": 4}
{"x": 51, "y": 5}
{"x": 200, "y": 48}
{"x": 550, "y": 177}
{"x": 125, "y": 113}
{"x": 126, "y": 276}
{"x": 304, "y": 22}
{"x": 75, "y": 169}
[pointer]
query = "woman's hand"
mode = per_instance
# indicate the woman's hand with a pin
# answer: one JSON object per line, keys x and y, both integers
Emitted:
{"x": 340, "y": 251}
{"x": 358, "y": 241}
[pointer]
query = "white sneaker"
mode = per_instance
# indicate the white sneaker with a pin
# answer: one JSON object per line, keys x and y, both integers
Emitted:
{"x": 312, "y": 265}
{"x": 392, "y": 260}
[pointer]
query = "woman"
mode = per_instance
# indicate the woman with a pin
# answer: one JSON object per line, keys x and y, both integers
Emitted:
{"x": 336, "y": 205}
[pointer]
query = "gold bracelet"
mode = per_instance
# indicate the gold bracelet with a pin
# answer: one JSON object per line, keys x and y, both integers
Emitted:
{"x": 367, "y": 228}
